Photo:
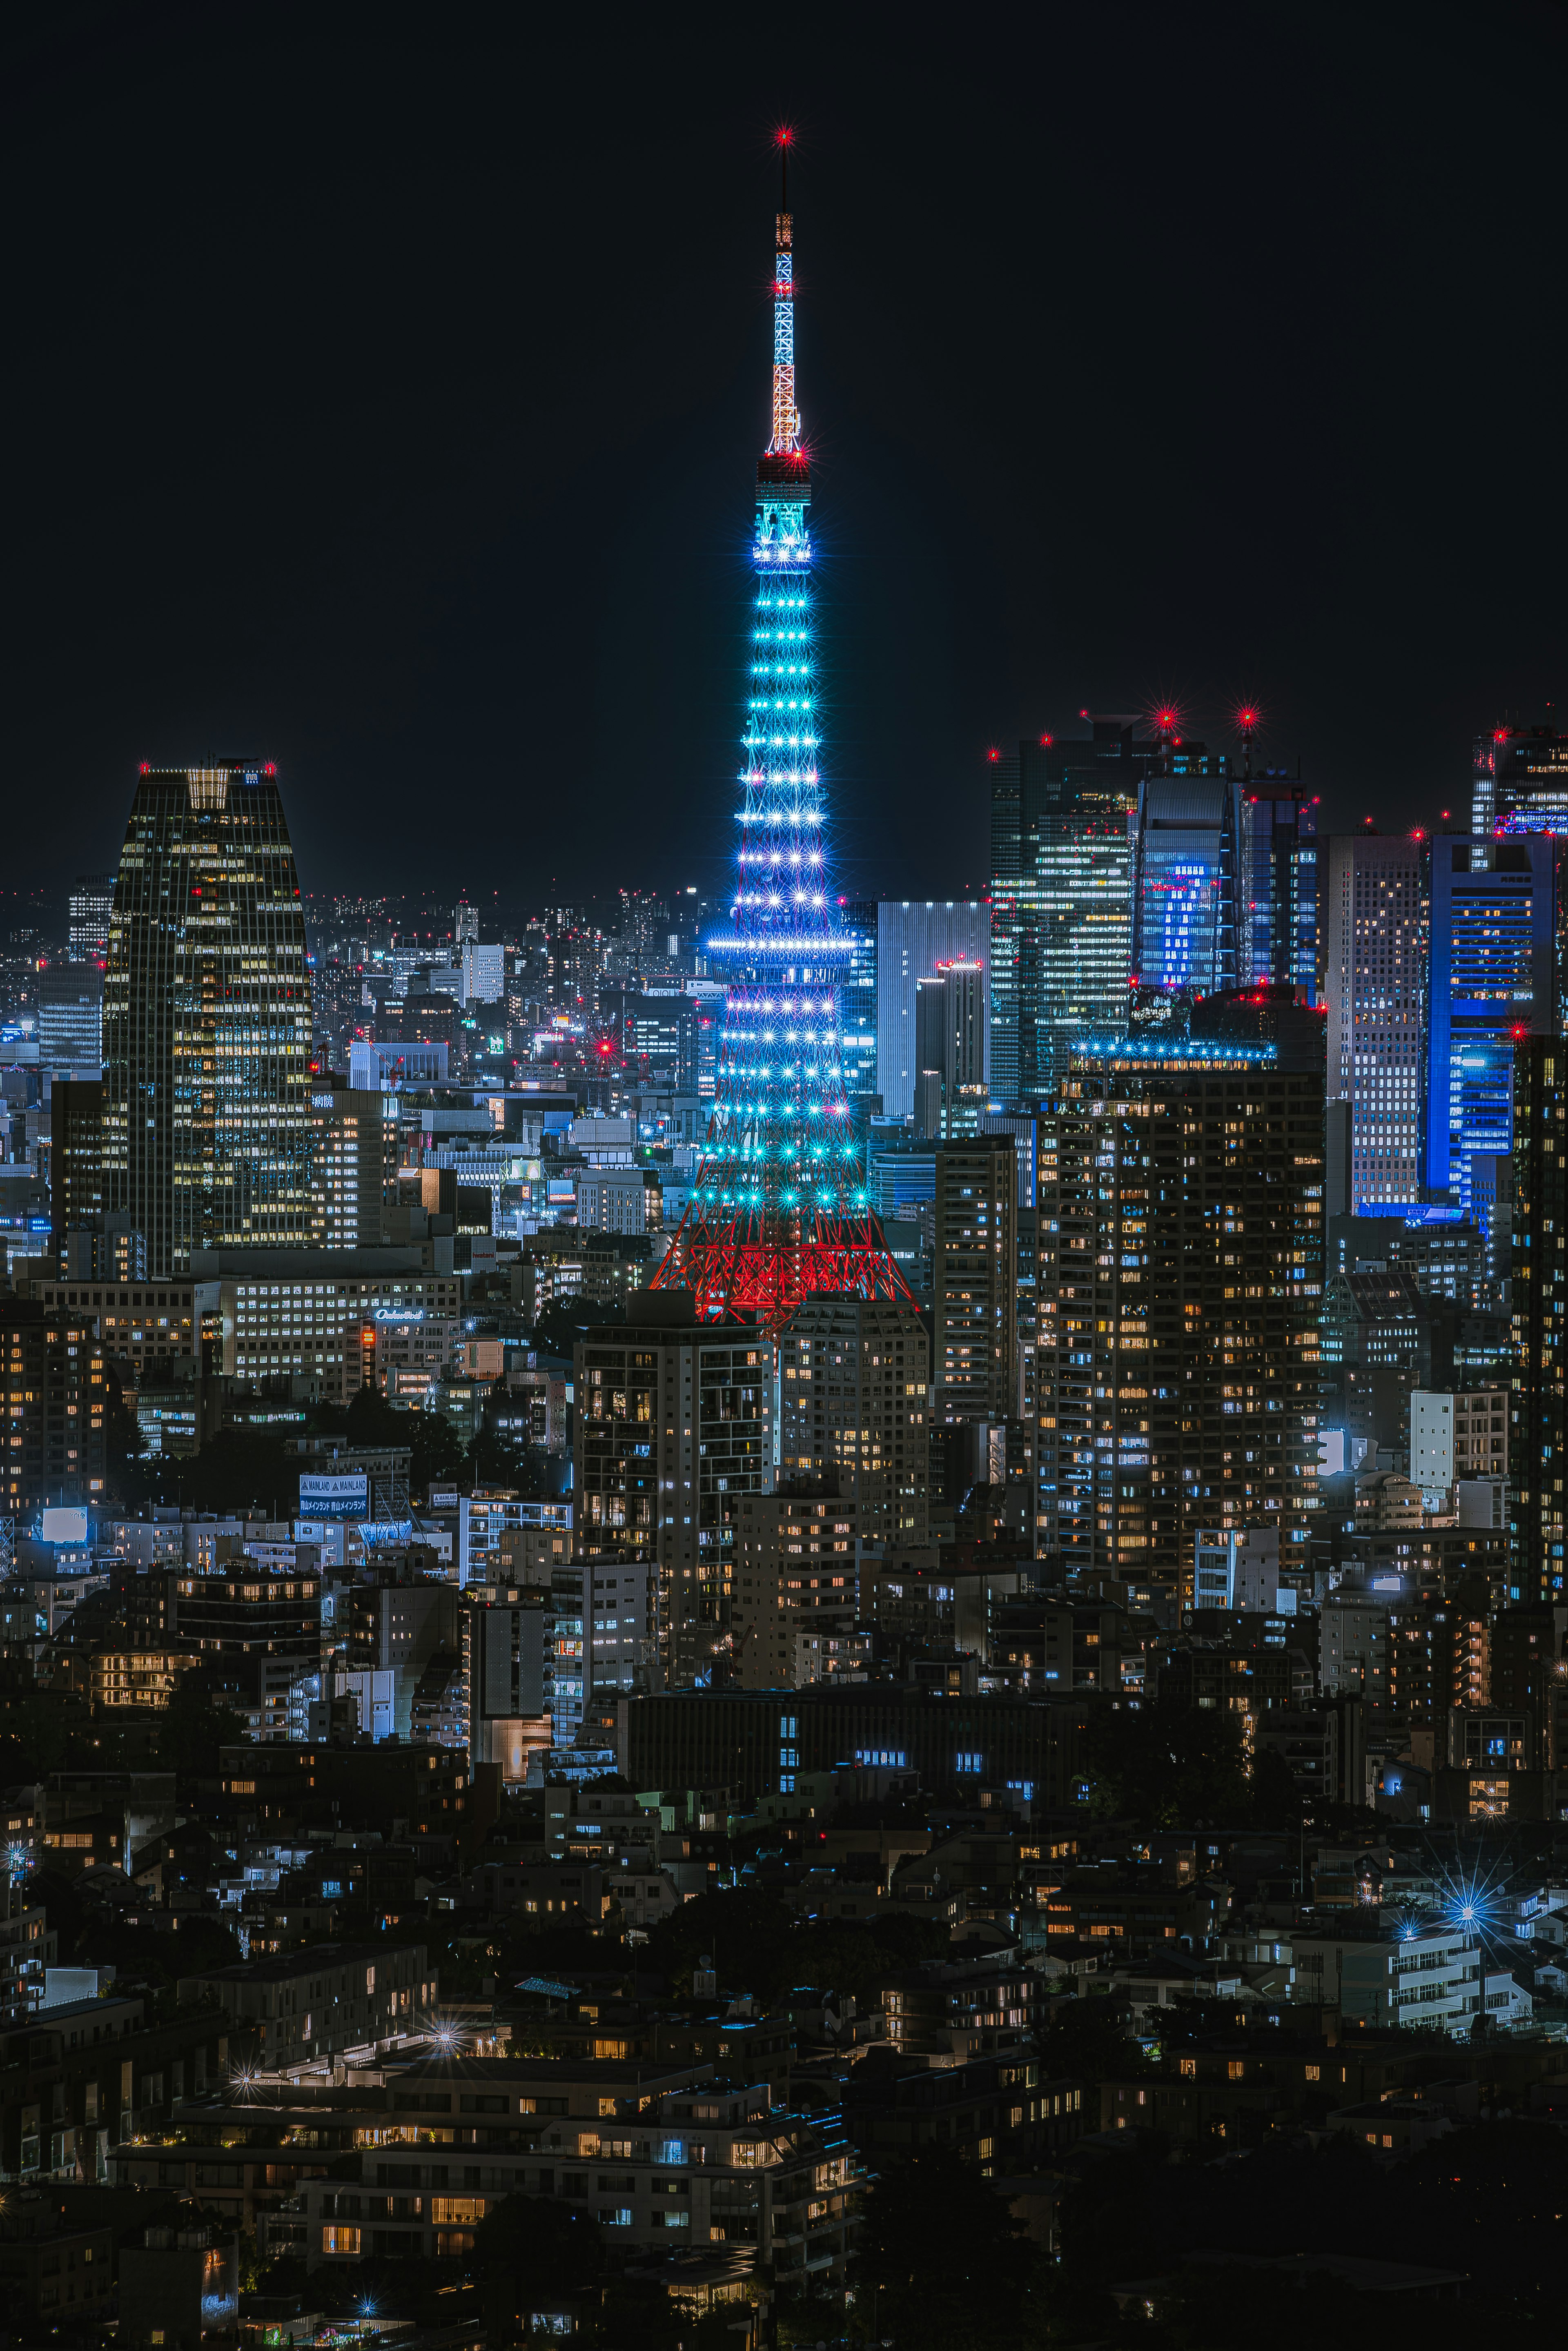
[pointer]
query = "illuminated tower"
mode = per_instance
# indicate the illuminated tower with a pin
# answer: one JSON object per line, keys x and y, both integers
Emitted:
{"x": 781, "y": 1209}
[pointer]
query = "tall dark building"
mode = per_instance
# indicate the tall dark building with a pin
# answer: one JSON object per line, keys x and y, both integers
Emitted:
{"x": 76, "y": 1166}
{"x": 51, "y": 1388}
{"x": 206, "y": 1023}
{"x": 1536, "y": 1434}
{"x": 1283, "y": 883}
{"x": 1181, "y": 1269}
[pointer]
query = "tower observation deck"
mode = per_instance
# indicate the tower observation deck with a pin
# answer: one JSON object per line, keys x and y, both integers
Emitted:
{"x": 779, "y": 1210}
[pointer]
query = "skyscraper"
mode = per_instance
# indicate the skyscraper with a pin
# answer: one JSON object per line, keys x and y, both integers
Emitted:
{"x": 1062, "y": 896}
{"x": 913, "y": 937}
{"x": 91, "y": 903}
{"x": 1186, "y": 906}
{"x": 1181, "y": 1269}
{"x": 1520, "y": 780}
{"x": 950, "y": 1050}
{"x": 1538, "y": 1432}
{"x": 974, "y": 1280}
{"x": 779, "y": 1208}
{"x": 1280, "y": 884}
{"x": 857, "y": 1003}
{"x": 207, "y": 1020}
{"x": 1491, "y": 978}
{"x": 1374, "y": 948}
{"x": 852, "y": 1390}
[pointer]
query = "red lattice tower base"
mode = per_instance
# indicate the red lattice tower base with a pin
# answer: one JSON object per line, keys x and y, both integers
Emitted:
{"x": 750, "y": 1266}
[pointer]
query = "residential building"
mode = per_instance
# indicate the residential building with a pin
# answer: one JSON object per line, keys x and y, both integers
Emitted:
{"x": 1424, "y": 1975}
{"x": 207, "y": 1020}
{"x": 1181, "y": 1237}
{"x": 1538, "y": 1433}
{"x": 1459, "y": 1434}
{"x": 319, "y": 2002}
{"x": 673, "y": 1423}
{"x": 853, "y": 1408}
{"x": 1374, "y": 950}
{"x": 52, "y": 1387}
{"x": 353, "y": 1165}
{"x": 974, "y": 1281}
{"x": 796, "y": 1572}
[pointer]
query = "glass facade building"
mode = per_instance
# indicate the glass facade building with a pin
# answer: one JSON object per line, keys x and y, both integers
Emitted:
{"x": 207, "y": 1020}
{"x": 1374, "y": 955}
{"x": 1186, "y": 909}
{"x": 1279, "y": 885}
{"x": 1491, "y": 979}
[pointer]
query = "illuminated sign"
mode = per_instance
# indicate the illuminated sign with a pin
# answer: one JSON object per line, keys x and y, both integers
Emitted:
{"x": 396, "y": 1315}
{"x": 342, "y": 1497}
{"x": 64, "y": 1527}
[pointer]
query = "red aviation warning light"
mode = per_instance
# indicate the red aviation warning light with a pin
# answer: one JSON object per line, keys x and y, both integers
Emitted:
{"x": 994, "y": 756}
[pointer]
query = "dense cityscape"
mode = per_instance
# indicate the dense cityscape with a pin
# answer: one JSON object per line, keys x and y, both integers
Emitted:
{"x": 742, "y": 1615}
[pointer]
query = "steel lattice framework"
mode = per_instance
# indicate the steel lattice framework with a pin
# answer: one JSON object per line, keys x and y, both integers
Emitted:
{"x": 780, "y": 1210}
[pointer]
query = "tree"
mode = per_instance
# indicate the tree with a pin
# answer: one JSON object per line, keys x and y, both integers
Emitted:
{"x": 543, "y": 2244}
{"x": 1168, "y": 1766}
{"x": 192, "y": 1727}
{"x": 943, "y": 2254}
{"x": 1087, "y": 2041}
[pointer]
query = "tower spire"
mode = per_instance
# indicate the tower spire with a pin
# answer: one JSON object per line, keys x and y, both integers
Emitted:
{"x": 779, "y": 1208}
{"x": 786, "y": 416}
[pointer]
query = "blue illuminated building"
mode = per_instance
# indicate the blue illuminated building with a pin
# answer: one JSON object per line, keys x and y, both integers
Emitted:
{"x": 1490, "y": 981}
{"x": 1185, "y": 875}
{"x": 1280, "y": 884}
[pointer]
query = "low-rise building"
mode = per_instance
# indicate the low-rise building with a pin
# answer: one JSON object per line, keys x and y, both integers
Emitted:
{"x": 316, "y": 2002}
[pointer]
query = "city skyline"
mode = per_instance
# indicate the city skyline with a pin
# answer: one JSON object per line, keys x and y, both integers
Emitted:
{"x": 1076, "y": 488}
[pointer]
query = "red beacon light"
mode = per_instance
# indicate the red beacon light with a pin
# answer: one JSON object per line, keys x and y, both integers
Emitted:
{"x": 1046, "y": 741}
{"x": 1166, "y": 720}
{"x": 1246, "y": 718}
{"x": 145, "y": 768}
{"x": 994, "y": 756}
{"x": 1500, "y": 734}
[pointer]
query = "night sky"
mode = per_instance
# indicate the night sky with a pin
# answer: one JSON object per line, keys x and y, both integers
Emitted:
{"x": 383, "y": 395}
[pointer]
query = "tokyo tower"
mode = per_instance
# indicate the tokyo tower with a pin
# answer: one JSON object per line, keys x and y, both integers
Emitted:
{"x": 780, "y": 1210}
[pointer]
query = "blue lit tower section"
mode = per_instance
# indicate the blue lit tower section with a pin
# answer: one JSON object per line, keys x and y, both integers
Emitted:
{"x": 1280, "y": 882}
{"x": 1490, "y": 983}
{"x": 779, "y": 1208}
{"x": 1186, "y": 899}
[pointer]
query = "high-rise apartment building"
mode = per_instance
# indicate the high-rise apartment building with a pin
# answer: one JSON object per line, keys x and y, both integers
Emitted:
{"x": 91, "y": 904}
{"x": 674, "y": 1422}
{"x": 52, "y": 1392}
{"x": 207, "y": 1020}
{"x": 1063, "y": 818}
{"x": 1374, "y": 948}
{"x": 852, "y": 1378}
{"x": 1538, "y": 1433}
{"x": 913, "y": 937}
{"x": 950, "y": 1034}
{"x": 974, "y": 1281}
{"x": 1491, "y": 916}
{"x": 1282, "y": 879}
{"x": 354, "y": 1167}
{"x": 1181, "y": 1267}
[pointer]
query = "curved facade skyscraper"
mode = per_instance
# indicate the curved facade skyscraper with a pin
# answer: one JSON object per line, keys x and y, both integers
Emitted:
{"x": 207, "y": 1020}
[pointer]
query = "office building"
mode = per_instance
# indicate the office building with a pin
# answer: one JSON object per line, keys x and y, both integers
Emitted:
{"x": 1492, "y": 934}
{"x": 1187, "y": 912}
{"x": 1537, "y": 1437}
{"x": 853, "y": 1376}
{"x": 91, "y": 904}
{"x": 353, "y": 1165}
{"x": 951, "y": 1026}
{"x": 387, "y": 1068}
{"x": 914, "y": 936}
{"x": 1281, "y": 884}
{"x": 857, "y": 1004}
{"x": 1375, "y": 947}
{"x": 312, "y": 1315}
{"x": 974, "y": 1281}
{"x": 1519, "y": 781}
{"x": 70, "y": 1017}
{"x": 1181, "y": 1269}
{"x": 1062, "y": 822}
{"x": 673, "y": 1423}
{"x": 52, "y": 1388}
{"x": 207, "y": 1020}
